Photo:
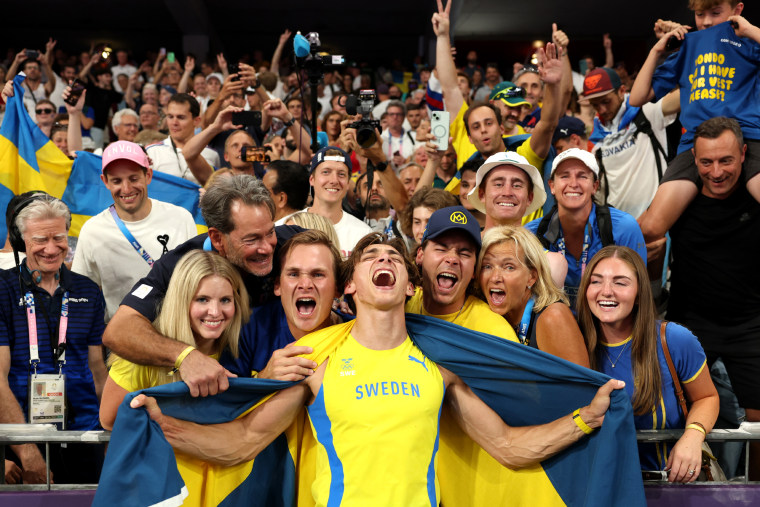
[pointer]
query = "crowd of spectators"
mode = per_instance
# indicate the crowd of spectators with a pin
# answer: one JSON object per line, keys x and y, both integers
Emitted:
{"x": 571, "y": 176}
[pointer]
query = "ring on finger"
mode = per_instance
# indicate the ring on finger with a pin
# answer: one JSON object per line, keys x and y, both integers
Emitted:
{"x": 691, "y": 472}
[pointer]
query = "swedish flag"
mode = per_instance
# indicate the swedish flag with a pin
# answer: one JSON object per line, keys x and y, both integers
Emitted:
{"x": 30, "y": 161}
{"x": 524, "y": 386}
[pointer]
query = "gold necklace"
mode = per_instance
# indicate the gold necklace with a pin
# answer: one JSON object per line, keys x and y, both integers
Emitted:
{"x": 617, "y": 359}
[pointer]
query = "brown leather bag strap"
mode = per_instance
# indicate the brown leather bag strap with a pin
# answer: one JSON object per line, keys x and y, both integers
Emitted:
{"x": 676, "y": 383}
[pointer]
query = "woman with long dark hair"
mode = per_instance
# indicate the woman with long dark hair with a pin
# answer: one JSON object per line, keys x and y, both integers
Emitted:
{"x": 617, "y": 315}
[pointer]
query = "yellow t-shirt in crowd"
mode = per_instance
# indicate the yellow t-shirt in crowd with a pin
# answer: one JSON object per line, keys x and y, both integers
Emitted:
{"x": 475, "y": 315}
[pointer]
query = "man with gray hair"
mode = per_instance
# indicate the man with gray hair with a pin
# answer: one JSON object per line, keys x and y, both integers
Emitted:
{"x": 125, "y": 124}
{"x": 239, "y": 212}
{"x": 51, "y": 356}
{"x": 396, "y": 146}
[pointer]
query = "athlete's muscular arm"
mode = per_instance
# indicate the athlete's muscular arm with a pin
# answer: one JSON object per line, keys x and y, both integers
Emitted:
{"x": 517, "y": 447}
{"x": 130, "y": 335}
{"x": 236, "y": 441}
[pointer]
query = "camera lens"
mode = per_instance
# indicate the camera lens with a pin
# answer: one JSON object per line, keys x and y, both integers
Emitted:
{"x": 366, "y": 137}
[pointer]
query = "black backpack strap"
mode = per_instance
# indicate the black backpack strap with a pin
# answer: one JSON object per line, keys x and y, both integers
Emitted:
{"x": 604, "y": 222}
{"x": 645, "y": 126}
{"x": 604, "y": 184}
{"x": 543, "y": 226}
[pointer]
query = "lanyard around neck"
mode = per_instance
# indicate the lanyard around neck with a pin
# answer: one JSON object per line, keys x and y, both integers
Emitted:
{"x": 127, "y": 234}
{"x": 522, "y": 329}
{"x": 586, "y": 245}
{"x": 31, "y": 319}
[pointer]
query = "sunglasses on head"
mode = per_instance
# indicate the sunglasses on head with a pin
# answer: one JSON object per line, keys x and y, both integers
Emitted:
{"x": 44, "y": 110}
{"x": 510, "y": 93}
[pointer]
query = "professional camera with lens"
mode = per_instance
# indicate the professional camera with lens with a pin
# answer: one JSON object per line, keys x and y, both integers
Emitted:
{"x": 365, "y": 128}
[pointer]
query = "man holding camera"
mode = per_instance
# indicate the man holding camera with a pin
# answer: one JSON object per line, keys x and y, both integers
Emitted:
{"x": 33, "y": 63}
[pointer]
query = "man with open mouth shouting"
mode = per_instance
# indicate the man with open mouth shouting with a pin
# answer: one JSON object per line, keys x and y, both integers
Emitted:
{"x": 447, "y": 258}
{"x": 308, "y": 283}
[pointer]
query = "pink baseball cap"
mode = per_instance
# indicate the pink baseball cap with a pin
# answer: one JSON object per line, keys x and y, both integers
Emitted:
{"x": 125, "y": 150}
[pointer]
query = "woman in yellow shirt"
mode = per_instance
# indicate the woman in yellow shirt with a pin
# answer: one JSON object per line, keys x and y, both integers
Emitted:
{"x": 205, "y": 304}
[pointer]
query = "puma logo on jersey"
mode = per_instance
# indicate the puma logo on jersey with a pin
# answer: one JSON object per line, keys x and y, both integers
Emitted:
{"x": 422, "y": 362}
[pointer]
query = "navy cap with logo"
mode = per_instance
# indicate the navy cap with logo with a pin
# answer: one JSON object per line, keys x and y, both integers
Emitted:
{"x": 322, "y": 156}
{"x": 567, "y": 126}
{"x": 453, "y": 218}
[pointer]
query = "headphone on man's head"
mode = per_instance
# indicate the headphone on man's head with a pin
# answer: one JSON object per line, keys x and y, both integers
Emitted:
{"x": 15, "y": 206}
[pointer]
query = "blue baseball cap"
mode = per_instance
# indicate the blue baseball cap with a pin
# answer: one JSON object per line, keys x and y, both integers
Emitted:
{"x": 450, "y": 219}
{"x": 322, "y": 157}
{"x": 567, "y": 126}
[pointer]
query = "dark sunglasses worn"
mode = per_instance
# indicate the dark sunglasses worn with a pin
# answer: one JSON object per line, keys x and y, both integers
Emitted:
{"x": 510, "y": 93}
{"x": 44, "y": 110}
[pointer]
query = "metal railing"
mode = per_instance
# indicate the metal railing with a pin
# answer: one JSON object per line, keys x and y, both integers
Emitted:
{"x": 747, "y": 432}
{"x": 14, "y": 434}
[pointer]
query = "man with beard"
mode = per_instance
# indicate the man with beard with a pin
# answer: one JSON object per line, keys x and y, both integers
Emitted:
{"x": 239, "y": 213}
{"x": 510, "y": 99}
{"x": 375, "y": 204}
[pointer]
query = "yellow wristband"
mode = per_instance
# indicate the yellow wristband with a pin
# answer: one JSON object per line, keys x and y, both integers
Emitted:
{"x": 585, "y": 428}
{"x": 182, "y": 356}
{"x": 698, "y": 427}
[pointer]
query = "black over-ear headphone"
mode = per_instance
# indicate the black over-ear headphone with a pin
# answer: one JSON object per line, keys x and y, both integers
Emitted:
{"x": 15, "y": 206}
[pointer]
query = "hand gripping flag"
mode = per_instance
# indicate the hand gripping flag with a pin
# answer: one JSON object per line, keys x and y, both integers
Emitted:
{"x": 523, "y": 385}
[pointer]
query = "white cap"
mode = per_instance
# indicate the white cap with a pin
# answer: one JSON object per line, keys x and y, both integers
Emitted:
{"x": 516, "y": 160}
{"x": 587, "y": 158}
{"x": 216, "y": 75}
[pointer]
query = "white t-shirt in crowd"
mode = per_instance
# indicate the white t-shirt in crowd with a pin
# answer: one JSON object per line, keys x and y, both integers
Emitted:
{"x": 121, "y": 69}
{"x": 168, "y": 159}
{"x": 629, "y": 161}
{"x": 349, "y": 230}
{"x": 105, "y": 255}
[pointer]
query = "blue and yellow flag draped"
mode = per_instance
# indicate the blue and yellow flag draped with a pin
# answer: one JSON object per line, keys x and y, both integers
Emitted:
{"x": 30, "y": 161}
{"x": 523, "y": 385}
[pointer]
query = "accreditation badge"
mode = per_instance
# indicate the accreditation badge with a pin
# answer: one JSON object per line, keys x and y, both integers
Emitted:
{"x": 47, "y": 399}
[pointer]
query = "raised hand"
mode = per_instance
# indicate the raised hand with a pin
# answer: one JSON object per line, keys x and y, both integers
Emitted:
{"x": 441, "y": 23}
{"x": 549, "y": 64}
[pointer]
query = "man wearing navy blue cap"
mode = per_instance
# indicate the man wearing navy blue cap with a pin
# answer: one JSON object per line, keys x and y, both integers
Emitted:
{"x": 570, "y": 133}
{"x": 330, "y": 175}
{"x": 447, "y": 258}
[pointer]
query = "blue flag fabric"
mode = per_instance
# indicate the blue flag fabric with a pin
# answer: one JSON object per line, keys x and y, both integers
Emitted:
{"x": 86, "y": 195}
{"x": 523, "y": 385}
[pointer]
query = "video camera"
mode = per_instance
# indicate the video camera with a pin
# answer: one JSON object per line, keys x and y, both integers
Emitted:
{"x": 365, "y": 128}
{"x": 311, "y": 58}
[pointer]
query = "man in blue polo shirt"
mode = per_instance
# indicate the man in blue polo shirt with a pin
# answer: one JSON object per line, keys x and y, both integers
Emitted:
{"x": 50, "y": 342}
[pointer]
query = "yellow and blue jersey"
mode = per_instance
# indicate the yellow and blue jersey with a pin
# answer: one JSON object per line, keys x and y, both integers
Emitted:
{"x": 376, "y": 422}
{"x": 474, "y": 314}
